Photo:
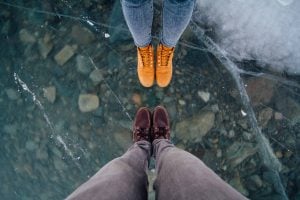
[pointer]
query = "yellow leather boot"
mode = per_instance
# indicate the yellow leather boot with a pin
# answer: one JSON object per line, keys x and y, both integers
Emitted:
{"x": 145, "y": 67}
{"x": 164, "y": 66}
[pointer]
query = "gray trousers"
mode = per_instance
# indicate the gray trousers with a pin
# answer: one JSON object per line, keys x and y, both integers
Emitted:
{"x": 180, "y": 175}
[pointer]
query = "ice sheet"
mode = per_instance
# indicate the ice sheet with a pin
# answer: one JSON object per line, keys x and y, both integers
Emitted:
{"x": 50, "y": 146}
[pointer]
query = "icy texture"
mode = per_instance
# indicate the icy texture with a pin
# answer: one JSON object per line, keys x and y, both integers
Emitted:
{"x": 266, "y": 31}
{"x": 265, "y": 149}
{"x": 49, "y": 146}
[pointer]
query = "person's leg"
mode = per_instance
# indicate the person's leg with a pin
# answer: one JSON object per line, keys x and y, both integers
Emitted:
{"x": 122, "y": 178}
{"x": 138, "y": 15}
{"x": 180, "y": 175}
{"x": 176, "y": 16}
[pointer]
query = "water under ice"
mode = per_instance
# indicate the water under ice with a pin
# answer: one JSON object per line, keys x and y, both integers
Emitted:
{"x": 49, "y": 147}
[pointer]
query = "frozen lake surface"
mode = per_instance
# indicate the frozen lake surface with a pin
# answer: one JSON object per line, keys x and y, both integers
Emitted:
{"x": 245, "y": 111}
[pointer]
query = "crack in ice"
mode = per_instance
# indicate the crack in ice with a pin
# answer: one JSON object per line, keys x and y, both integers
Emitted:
{"x": 265, "y": 149}
{"x": 24, "y": 86}
{"x": 113, "y": 93}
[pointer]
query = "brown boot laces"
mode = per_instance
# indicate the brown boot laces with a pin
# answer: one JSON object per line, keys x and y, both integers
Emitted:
{"x": 142, "y": 133}
{"x": 165, "y": 55}
{"x": 161, "y": 132}
{"x": 147, "y": 57}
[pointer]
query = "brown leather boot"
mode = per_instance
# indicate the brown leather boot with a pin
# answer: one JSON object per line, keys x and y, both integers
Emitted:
{"x": 142, "y": 125}
{"x": 164, "y": 66}
{"x": 161, "y": 124}
{"x": 145, "y": 67}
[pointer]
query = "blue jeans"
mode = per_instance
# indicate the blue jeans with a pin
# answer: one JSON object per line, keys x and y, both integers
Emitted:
{"x": 175, "y": 18}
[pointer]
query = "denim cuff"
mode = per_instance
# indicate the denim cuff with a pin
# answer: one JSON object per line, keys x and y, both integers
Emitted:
{"x": 134, "y": 3}
{"x": 142, "y": 45}
{"x": 169, "y": 45}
